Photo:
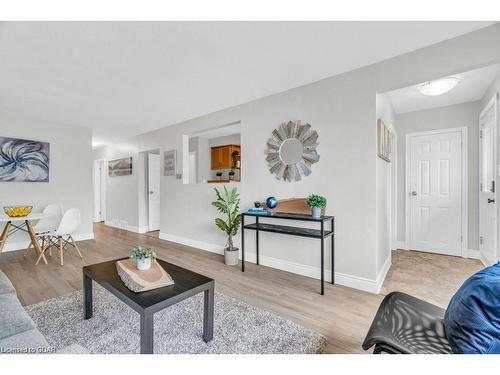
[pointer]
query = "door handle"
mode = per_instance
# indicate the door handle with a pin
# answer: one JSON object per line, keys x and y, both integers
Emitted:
{"x": 413, "y": 193}
{"x": 151, "y": 192}
{"x": 491, "y": 200}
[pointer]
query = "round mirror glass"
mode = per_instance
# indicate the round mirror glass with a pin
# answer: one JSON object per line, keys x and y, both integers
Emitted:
{"x": 290, "y": 151}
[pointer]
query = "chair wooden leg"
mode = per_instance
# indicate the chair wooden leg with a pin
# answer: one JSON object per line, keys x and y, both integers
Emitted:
{"x": 44, "y": 248}
{"x": 76, "y": 247}
{"x": 4, "y": 235}
{"x": 34, "y": 241}
{"x": 61, "y": 251}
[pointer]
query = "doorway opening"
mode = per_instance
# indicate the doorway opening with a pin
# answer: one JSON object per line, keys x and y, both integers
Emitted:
{"x": 150, "y": 189}
{"x": 439, "y": 201}
{"x": 99, "y": 191}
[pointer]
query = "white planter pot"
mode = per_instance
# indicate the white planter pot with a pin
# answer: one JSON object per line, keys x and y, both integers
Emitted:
{"x": 316, "y": 212}
{"x": 143, "y": 264}
{"x": 231, "y": 257}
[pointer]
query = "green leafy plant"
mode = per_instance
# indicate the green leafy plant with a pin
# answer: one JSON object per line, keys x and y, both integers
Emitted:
{"x": 228, "y": 204}
{"x": 316, "y": 201}
{"x": 139, "y": 252}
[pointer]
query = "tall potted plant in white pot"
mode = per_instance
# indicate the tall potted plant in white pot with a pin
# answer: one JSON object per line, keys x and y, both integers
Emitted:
{"x": 228, "y": 204}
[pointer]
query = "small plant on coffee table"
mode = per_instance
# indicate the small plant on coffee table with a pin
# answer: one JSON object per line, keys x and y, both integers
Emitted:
{"x": 139, "y": 252}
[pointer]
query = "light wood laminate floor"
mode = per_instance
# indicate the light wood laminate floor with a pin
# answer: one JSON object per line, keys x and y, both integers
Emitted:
{"x": 343, "y": 314}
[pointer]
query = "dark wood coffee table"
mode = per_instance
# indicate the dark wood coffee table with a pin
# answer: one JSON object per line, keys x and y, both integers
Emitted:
{"x": 187, "y": 284}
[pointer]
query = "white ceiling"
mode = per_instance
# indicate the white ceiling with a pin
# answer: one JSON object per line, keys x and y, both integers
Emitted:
{"x": 472, "y": 86}
{"x": 126, "y": 78}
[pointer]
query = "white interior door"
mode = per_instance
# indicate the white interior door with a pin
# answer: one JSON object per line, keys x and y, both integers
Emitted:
{"x": 435, "y": 192}
{"x": 154, "y": 191}
{"x": 193, "y": 171}
{"x": 487, "y": 179}
{"x": 98, "y": 190}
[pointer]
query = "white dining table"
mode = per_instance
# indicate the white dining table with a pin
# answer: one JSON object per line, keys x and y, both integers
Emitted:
{"x": 14, "y": 224}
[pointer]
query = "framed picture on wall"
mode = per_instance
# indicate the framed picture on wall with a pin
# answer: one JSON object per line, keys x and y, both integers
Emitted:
{"x": 384, "y": 148}
{"x": 120, "y": 167}
{"x": 169, "y": 162}
{"x": 23, "y": 160}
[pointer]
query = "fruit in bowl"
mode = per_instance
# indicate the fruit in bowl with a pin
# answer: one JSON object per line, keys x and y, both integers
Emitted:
{"x": 17, "y": 211}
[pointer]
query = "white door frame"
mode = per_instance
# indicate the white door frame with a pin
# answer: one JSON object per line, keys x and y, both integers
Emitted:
{"x": 102, "y": 190}
{"x": 148, "y": 195}
{"x": 493, "y": 102}
{"x": 394, "y": 190}
{"x": 465, "y": 185}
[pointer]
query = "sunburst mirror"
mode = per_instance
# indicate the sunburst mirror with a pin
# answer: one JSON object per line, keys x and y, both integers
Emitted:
{"x": 292, "y": 150}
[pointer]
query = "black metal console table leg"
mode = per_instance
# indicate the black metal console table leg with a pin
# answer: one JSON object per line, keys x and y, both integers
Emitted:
{"x": 146, "y": 333}
{"x": 242, "y": 243}
{"x": 257, "y": 239}
{"x": 87, "y": 293}
{"x": 333, "y": 250}
{"x": 322, "y": 258}
{"x": 208, "y": 314}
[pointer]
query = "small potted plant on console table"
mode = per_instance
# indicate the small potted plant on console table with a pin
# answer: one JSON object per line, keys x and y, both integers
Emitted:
{"x": 228, "y": 204}
{"x": 317, "y": 203}
{"x": 143, "y": 257}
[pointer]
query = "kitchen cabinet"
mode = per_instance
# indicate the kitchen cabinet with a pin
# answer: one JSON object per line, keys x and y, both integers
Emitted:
{"x": 222, "y": 157}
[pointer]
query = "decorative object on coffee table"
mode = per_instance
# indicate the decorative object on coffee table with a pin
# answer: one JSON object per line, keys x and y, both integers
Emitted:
{"x": 229, "y": 205}
{"x": 187, "y": 284}
{"x": 316, "y": 203}
{"x": 141, "y": 281}
{"x": 292, "y": 150}
{"x": 143, "y": 257}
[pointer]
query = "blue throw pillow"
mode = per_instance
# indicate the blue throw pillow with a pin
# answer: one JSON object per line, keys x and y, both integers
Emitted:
{"x": 472, "y": 319}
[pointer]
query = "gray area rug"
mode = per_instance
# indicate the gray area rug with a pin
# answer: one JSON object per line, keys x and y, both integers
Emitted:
{"x": 114, "y": 328}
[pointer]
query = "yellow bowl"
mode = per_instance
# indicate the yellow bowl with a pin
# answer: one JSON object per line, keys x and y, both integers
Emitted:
{"x": 17, "y": 211}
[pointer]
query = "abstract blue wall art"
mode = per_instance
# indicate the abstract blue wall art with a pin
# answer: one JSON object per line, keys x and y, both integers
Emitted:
{"x": 23, "y": 160}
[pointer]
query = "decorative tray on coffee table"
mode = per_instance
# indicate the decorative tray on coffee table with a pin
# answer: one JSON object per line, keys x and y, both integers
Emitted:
{"x": 141, "y": 281}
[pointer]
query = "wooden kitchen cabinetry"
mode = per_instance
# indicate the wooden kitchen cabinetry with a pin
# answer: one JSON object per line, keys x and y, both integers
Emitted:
{"x": 222, "y": 157}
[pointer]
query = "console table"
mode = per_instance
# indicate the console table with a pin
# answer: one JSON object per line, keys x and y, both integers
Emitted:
{"x": 320, "y": 234}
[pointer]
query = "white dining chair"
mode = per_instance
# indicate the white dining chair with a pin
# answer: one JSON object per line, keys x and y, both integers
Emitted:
{"x": 62, "y": 236}
{"x": 47, "y": 225}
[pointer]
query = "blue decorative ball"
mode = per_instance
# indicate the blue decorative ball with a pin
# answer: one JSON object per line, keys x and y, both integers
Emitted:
{"x": 271, "y": 202}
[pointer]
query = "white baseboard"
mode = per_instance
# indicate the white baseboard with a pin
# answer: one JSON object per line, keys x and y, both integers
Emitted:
{"x": 356, "y": 282}
{"x": 21, "y": 245}
{"x": 401, "y": 245}
{"x": 125, "y": 226}
{"x": 383, "y": 273}
{"x": 193, "y": 243}
{"x": 485, "y": 260}
{"x": 473, "y": 254}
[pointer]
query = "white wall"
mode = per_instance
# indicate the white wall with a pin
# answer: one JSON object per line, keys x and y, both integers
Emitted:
{"x": 459, "y": 115}
{"x": 71, "y": 166}
{"x": 385, "y": 112}
{"x": 343, "y": 111}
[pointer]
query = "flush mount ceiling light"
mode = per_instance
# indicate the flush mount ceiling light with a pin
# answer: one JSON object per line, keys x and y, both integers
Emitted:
{"x": 439, "y": 86}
